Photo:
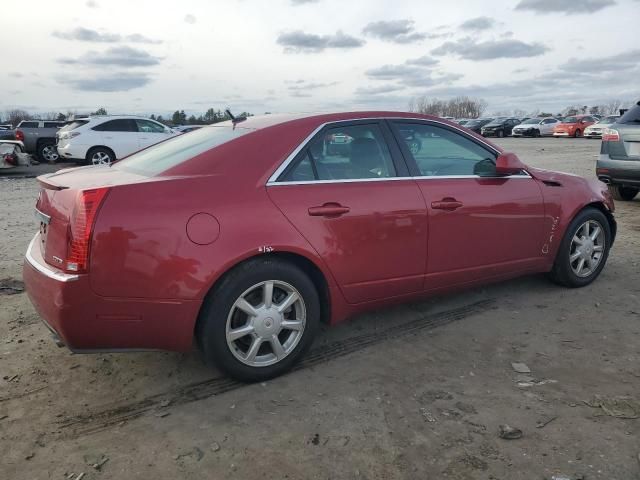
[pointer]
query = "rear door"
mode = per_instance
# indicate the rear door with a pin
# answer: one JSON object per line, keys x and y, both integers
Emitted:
{"x": 349, "y": 194}
{"x": 480, "y": 225}
{"x": 120, "y": 135}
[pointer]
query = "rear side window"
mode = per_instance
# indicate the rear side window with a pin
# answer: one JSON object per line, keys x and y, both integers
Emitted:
{"x": 440, "y": 152}
{"x": 344, "y": 153}
{"x": 631, "y": 116}
{"x": 165, "y": 155}
{"x": 73, "y": 125}
{"x": 52, "y": 124}
{"x": 120, "y": 125}
{"x": 28, "y": 125}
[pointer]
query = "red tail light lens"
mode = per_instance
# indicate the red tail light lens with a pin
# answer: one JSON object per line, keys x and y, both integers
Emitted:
{"x": 611, "y": 135}
{"x": 20, "y": 135}
{"x": 81, "y": 227}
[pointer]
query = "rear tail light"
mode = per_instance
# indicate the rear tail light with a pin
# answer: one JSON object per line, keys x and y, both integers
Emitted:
{"x": 81, "y": 227}
{"x": 611, "y": 135}
{"x": 20, "y": 135}
{"x": 11, "y": 159}
{"x": 68, "y": 135}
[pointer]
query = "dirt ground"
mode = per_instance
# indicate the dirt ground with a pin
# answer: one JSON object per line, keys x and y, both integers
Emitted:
{"x": 414, "y": 392}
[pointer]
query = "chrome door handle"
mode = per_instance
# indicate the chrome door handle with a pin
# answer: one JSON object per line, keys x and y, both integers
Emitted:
{"x": 328, "y": 210}
{"x": 448, "y": 203}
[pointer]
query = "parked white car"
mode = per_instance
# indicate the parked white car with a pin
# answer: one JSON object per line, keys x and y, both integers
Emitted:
{"x": 105, "y": 139}
{"x": 597, "y": 129}
{"x": 535, "y": 127}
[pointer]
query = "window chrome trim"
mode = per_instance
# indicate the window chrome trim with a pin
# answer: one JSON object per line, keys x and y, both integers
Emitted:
{"x": 59, "y": 276}
{"x": 392, "y": 179}
{"x": 273, "y": 179}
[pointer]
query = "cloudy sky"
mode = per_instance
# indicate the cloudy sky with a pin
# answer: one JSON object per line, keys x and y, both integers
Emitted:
{"x": 143, "y": 56}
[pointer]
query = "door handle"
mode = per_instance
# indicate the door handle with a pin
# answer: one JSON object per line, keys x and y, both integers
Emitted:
{"x": 447, "y": 203}
{"x": 328, "y": 210}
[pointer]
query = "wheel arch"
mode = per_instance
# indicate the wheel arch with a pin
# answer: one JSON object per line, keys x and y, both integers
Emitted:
{"x": 48, "y": 140}
{"x": 91, "y": 149}
{"x": 613, "y": 226}
{"x": 306, "y": 264}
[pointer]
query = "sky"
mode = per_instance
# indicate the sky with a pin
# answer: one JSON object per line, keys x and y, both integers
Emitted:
{"x": 147, "y": 56}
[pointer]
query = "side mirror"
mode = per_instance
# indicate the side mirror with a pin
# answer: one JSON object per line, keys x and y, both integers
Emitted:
{"x": 509, "y": 164}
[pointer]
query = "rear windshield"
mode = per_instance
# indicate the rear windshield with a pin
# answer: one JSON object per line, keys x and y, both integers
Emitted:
{"x": 531, "y": 121}
{"x": 168, "y": 154}
{"x": 631, "y": 116}
{"x": 73, "y": 125}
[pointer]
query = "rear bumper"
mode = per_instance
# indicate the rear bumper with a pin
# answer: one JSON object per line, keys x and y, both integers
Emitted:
{"x": 71, "y": 151}
{"x": 86, "y": 322}
{"x": 618, "y": 172}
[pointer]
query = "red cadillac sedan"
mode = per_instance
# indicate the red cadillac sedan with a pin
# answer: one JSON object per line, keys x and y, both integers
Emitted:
{"x": 244, "y": 236}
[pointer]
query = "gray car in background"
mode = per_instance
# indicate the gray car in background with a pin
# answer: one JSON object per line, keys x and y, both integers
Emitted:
{"x": 39, "y": 138}
{"x": 619, "y": 161}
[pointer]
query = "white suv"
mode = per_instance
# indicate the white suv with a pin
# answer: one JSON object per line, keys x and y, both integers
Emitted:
{"x": 104, "y": 139}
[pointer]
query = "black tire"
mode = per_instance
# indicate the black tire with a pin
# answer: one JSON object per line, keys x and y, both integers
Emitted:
{"x": 624, "y": 194}
{"x": 500, "y": 133}
{"x": 577, "y": 133}
{"x": 212, "y": 322}
{"x": 47, "y": 151}
{"x": 562, "y": 273}
{"x": 536, "y": 133}
{"x": 100, "y": 151}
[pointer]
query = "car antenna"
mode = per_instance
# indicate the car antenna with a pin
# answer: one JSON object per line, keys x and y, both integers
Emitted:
{"x": 233, "y": 118}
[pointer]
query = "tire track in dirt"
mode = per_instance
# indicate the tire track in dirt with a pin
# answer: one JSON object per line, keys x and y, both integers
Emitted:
{"x": 85, "y": 424}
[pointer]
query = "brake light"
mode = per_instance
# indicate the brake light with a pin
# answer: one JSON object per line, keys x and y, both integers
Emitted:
{"x": 611, "y": 135}
{"x": 81, "y": 227}
{"x": 20, "y": 135}
{"x": 11, "y": 159}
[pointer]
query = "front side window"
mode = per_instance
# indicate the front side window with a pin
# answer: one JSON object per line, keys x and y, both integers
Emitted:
{"x": 147, "y": 126}
{"x": 441, "y": 152}
{"x": 344, "y": 153}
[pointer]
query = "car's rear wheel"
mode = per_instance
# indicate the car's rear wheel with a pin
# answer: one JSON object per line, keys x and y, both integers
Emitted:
{"x": 578, "y": 133}
{"x": 584, "y": 249}
{"x": 47, "y": 152}
{"x": 100, "y": 156}
{"x": 625, "y": 194}
{"x": 260, "y": 320}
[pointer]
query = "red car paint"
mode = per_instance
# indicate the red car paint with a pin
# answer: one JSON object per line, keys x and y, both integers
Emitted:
{"x": 573, "y": 129}
{"x": 160, "y": 243}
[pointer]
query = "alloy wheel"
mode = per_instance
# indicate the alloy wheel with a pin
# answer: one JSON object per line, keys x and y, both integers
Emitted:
{"x": 50, "y": 153}
{"x": 266, "y": 323}
{"x": 100, "y": 158}
{"x": 587, "y": 248}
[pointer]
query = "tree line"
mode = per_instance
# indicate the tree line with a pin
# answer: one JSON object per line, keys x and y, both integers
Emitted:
{"x": 179, "y": 117}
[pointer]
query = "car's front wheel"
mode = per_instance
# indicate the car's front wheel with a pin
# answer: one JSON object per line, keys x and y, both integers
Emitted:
{"x": 260, "y": 320}
{"x": 584, "y": 249}
{"x": 625, "y": 194}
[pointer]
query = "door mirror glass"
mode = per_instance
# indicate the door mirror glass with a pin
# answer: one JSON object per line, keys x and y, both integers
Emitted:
{"x": 509, "y": 164}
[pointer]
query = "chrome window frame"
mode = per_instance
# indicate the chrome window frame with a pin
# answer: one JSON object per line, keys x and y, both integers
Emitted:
{"x": 273, "y": 179}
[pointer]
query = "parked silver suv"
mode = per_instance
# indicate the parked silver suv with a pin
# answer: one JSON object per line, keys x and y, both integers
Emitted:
{"x": 619, "y": 161}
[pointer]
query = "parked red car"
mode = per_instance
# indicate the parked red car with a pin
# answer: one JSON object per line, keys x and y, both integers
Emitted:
{"x": 573, "y": 125}
{"x": 246, "y": 235}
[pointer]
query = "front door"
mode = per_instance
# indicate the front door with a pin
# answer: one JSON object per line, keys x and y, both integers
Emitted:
{"x": 480, "y": 225}
{"x": 344, "y": 195}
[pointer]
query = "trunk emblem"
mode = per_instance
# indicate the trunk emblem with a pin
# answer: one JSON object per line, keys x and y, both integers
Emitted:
{"x": 57, "y": 259}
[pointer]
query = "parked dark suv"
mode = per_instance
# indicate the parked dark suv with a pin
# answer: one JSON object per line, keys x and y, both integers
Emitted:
{"x": 619, "y": 161}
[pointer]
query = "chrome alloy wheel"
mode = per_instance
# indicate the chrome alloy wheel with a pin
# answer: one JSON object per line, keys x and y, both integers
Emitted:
{"x": 50, "y": 153}
{"x": 266, "y": 323}
{"x": 587, "y": 248}
{"x": 100, "y": 158}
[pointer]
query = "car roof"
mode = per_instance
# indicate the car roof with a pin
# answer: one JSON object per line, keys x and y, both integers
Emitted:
{"x": 258, "y": 122}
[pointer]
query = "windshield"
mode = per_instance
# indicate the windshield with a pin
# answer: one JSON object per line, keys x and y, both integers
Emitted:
{"x": 609, "y": 119}
{"x": 531, "y": 121}
{"x": 570, "y": 120}
{"x": 497, "y": 121}
{"x": 168, "y": 154}
{"x": 631, "y": 116}
{"x": 478, "y": 121}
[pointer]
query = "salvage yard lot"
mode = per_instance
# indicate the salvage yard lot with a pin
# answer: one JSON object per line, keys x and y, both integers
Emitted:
{"x": 416, "y": 391}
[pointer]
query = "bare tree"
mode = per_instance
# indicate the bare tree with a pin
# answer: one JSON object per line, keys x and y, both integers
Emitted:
{"x": 14, "y": 117}
{"x": 612, "y": 107}
{"x": 458, "y": 107}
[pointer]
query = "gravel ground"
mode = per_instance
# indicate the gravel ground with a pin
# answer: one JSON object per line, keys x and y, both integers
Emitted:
{"x": 417, "y": 391}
